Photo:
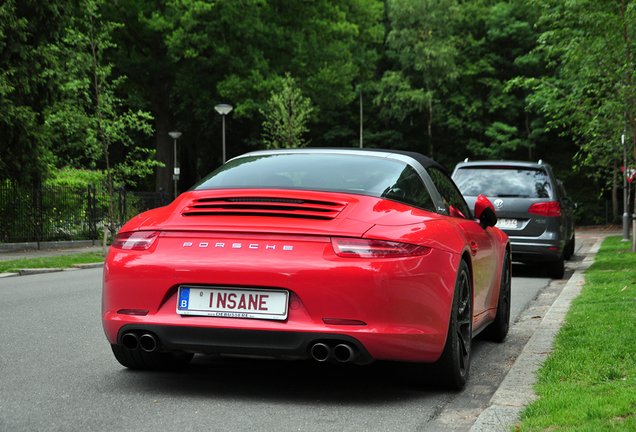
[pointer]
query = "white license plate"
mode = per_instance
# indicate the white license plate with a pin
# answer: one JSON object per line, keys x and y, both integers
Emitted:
{"x": 506, "y": 223}
{"x": 233, "y": 302}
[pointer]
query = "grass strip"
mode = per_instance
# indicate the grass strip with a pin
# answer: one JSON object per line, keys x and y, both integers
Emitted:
{"x": 588, "y": 383}
{"x": 63, "y": 261}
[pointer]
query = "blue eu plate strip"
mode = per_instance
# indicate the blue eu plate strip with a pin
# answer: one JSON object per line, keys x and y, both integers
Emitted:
{"x": 184, "y": 298}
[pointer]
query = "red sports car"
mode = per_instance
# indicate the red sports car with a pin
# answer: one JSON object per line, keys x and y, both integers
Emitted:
{"x": 341, "y": 255}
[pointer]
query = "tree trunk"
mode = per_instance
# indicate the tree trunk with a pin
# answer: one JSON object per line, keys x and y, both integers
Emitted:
{"x": 164, "y": 122}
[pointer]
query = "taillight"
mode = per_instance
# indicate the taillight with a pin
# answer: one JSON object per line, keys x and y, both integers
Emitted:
{"x": 552, "y": 208}
{"x": 360, "y": 248}
{"x": 138, "y": 240}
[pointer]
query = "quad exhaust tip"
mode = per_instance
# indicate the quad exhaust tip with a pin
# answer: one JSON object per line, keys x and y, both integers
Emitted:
{"x": 321, "y": 352}
{"x": 342, "y": 352}
{"x": 130, "y": 341}
{"x": 146, "y": 342}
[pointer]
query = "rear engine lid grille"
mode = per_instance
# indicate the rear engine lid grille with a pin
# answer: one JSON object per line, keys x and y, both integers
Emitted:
{"x": 264, "y": 206}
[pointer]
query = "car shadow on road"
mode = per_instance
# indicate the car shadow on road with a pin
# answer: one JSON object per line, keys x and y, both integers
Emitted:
{"x": 537, "y": 270}
{"x": 298, "y": 381}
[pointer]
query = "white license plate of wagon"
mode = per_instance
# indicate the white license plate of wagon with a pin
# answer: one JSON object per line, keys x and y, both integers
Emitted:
{"x": 506, "y": 223}
{"x": 233, "y": 302}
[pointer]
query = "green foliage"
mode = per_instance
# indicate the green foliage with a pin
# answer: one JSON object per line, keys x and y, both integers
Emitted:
{"x": 286, "y": 117}
{"x": 75, "y": 177}
{"x": 493, "y": 123}
{"x": 91, "y": 116}
{"x": 184, "y": 57}
{"x": 502, "y": 141}
{"x": 437, "y": 83}
{"x": 26, "y": 28}
{"x": 423, "y": 46}
{"x": 590, "y": 46}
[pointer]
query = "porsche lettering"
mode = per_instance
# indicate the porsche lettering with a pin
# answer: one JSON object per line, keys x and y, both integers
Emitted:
{"x": 221, "y": 245}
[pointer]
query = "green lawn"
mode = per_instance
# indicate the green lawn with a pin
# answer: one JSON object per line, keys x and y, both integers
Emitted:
{"x": 589, "y": 382}
{"x": 65, "y": 261}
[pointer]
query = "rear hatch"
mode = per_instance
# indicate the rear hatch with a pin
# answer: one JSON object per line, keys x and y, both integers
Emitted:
{"x": 521, "y": 195}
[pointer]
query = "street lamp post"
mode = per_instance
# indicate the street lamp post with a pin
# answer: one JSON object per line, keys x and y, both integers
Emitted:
{"x": 223, "y": 109}
{"x": 175, "y": 135}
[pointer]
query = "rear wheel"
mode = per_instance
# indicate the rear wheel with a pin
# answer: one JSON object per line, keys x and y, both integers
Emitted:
{"x": 454, "y": 364}
{"x": 156, "y": 360}
{"x": 498, "y": 329}
{"x": 556, "y": 269}
{"x": 568, "y": 251}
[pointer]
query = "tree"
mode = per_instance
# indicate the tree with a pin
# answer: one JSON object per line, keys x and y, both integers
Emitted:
{"x": 27, "y": 28}
{"x": 590, "y": 44}
{"x": 90, "y": 114}
{"x": 497, "y": 39}
{"x": 423, "y": 46}
{"x": 184, "y": 57}
{"x": 286, "y": 117}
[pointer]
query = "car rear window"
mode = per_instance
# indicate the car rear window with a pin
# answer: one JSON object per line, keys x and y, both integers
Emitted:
{"x": 364, "y": 175}
{"x": 503, "y": 182}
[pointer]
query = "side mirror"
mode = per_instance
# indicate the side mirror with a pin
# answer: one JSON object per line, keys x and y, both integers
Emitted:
{"x": 485, "y": 211}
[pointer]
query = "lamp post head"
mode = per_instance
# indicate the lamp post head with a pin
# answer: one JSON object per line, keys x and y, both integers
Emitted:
{"x": 223, "y": 109}
{"x": 175, "y": 134}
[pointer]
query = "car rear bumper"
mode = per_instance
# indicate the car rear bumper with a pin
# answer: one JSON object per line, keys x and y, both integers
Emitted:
{"x": 539, "y": 251}
{"x": 402, "y": 305}
{"x": 258, "y": 343}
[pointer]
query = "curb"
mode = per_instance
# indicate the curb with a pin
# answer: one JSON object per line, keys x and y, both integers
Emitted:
{"x": 32, "y": 271}
{"x": 516, "y": 390}
{"x": 89, "y": 265}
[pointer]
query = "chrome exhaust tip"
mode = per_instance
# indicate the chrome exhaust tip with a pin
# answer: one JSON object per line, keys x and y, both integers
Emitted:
{"x": 130, "y": 341}
{"x": 344, "y": 353}
{"x": 148, "y": 342}
{"x": 320, "y": 352}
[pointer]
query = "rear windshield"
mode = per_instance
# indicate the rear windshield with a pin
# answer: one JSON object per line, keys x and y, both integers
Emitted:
{"x": 503, "y": 182}
{"x": 364, "y": 175}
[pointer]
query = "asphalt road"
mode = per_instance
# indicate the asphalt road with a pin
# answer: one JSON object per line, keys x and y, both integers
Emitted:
{"x": 57, "y": 373}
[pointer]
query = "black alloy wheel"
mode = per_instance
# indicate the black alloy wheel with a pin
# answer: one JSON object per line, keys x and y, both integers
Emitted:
{"x": 498, "y": 329}
{"x": 454, "y": 363}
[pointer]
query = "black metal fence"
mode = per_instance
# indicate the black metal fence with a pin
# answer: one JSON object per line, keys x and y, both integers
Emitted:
{"x": 56, "y": 213}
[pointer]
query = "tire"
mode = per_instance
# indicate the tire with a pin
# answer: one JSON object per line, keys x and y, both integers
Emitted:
{"x": 454, "y": 364}
{"x": 155, "y": 361}
{"x": 556, "y": 269}
{"x": 498, "y": 329}
{"x": 568, "y": 251}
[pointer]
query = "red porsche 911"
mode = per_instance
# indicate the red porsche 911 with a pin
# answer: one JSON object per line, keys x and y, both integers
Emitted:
{"x": 339, "y": 255}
